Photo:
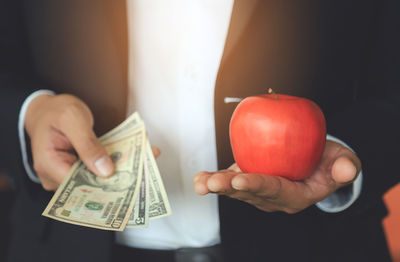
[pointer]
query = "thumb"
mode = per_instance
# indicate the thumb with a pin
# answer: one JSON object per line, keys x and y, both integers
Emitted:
{"x": 345, "y": 169}
{"x": 92, "y": 152}
{"x": 86, "y": 144}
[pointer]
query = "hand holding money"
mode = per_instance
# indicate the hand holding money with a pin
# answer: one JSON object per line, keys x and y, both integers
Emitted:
{"x": 131, "y": 197}
{"x": 52, "y": 124}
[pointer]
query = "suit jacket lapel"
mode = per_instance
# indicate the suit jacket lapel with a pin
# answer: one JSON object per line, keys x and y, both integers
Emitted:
{"x": 241, "y": 13}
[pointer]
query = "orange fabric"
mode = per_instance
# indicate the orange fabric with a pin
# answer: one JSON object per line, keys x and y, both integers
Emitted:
{"x": 392, "y": 222}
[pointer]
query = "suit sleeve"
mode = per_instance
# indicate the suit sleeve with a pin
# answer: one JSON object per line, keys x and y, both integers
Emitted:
{"x": 16, "y": 82}
{"x": 13, "y": 90}
{"x": 371, "y": 125}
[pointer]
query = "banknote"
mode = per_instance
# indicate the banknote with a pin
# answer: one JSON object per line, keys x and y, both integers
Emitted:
{"x": 153, "y": 194}
{"x": 139, "y": 216}
{"x": 140, "y": 212}
{"x": 158, "y": 199}
{"x": 132, "y": 123}
{"x": 105, "y": 203}
{"x": 130, "y": 198}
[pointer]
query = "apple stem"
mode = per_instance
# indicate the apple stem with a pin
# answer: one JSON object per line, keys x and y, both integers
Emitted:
{"x": 270, "y": 91}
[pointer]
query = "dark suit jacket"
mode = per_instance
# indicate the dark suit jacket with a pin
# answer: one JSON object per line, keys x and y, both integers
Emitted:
{"x": 344, "y": 55}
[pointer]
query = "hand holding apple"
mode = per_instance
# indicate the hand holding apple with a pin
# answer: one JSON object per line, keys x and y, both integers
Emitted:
{"x": 279, "y": 143}
{"x": 338, "y": 167}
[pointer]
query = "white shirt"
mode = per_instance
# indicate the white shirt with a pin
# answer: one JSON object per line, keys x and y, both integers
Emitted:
{"x": 175, "y": 49}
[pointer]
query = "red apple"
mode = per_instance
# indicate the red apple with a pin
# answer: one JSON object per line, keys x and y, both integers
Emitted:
{"x": 278, "y": 135}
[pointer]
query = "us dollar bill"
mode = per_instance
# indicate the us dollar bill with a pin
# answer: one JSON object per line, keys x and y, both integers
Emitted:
{"x": 130, "y": 198}
{"x": 158, "y": 200}
{"x": 153, "y": 194}
{"x": 140, "y": 213}
{"x": 105, "y": 203}
{"x": 155, "y": 204}
{"x": 132, "y": 123}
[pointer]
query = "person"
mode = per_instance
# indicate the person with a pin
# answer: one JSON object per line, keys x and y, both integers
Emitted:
{"x": 268, "y": 44}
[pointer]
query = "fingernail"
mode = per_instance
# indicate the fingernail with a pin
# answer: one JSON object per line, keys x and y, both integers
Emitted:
{"x": 104, "y": 166}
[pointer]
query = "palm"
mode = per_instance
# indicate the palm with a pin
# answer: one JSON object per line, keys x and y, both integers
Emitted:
{"x": 321, "y": 181}
{"x": 273, "y": 193}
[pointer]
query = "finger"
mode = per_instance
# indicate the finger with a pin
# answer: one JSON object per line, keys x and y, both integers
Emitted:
{"x": 262, "y": 185}
{"x": 199, "y": 175}
{"x": 210, "y": 173}
{"x": 235, "y": 168}
{"x": 92, "y": 153}
{"x": 66, "y": 157}
{"x": 53, "y": 172}
{"x": 156, "y": 151}
{"x": 59, "y": 141}
{"x": 221, "y": 182}
{"x": 76, "y": 125}
{"x": 61, "y": 173}
{"x": 200, "y": 185}
{"x": 344, "y": 170}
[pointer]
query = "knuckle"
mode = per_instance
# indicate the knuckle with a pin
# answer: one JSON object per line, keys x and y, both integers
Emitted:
{"x": 75, "y": 109}
{"x": 71, "y": 110}
{"x": 48, "y": 186}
